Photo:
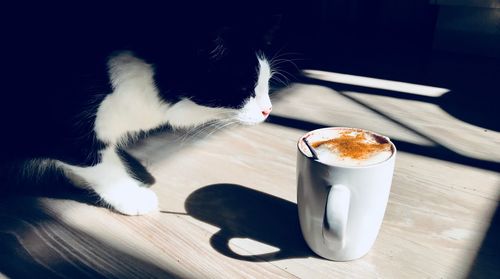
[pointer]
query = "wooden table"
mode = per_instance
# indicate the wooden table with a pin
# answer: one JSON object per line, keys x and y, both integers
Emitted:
{"x": 228, "y": 201}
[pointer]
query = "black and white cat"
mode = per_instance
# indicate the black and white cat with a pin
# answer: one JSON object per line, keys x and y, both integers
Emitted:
{"x": 135, "y": 105}
{"x": 80, "y": 122}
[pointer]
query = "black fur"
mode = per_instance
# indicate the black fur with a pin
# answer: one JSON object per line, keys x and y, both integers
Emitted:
{"x": 135, "y": 168}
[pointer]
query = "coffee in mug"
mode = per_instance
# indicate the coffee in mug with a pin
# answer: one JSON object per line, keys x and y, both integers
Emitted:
{"x": 344, "y": 177}
{"x": 352, "y": 147}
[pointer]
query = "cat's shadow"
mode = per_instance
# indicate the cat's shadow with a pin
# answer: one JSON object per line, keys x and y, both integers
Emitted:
{"x": 244, "y": 213}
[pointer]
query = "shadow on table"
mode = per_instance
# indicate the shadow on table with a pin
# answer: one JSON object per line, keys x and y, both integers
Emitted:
{"x": 242, "y": 212}
{"x": 488, "y": 257}
{"x": 34, "y": 243}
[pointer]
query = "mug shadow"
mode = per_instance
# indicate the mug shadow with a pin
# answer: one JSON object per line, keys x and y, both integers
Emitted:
{"x": 241, "y": 212}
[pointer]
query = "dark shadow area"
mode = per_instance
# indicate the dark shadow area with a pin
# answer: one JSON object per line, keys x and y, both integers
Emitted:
{"x": 488, "y": 256}
{"x": 473, "y": 84}
{"x": 34, "y": 244}
{"x": 400, "y": 42}
{"x": 242, "y": 212}
{"x": 17, "y": 180}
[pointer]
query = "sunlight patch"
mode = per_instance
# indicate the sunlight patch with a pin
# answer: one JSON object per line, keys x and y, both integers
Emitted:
{"x": 391, "y": 85}
{"x": 250, "y": 247}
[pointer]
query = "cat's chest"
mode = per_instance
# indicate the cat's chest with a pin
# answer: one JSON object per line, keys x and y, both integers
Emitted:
{"x": 127, "y": 111}
{"x": 134, "y": 105}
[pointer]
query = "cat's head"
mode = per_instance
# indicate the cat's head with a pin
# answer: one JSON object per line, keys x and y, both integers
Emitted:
{"x": 240, "y": 85}
{"x": 257, "y": 107}
{"x": 237, "y": 74}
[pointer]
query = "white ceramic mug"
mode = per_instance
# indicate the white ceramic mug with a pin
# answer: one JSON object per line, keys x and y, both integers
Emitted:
{"x": 341, "y": 208}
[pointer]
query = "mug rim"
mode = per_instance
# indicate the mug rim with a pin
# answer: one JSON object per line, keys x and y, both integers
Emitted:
{"x": 393, "y": 146}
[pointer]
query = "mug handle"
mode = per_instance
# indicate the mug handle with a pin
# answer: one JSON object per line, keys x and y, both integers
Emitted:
{"x": 335, "y": 219}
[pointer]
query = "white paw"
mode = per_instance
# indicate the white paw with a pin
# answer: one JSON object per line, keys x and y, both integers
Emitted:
{"x": 131, "y": 199}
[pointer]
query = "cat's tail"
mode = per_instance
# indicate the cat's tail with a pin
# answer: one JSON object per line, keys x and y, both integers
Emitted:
{"x": 34, "y": 176}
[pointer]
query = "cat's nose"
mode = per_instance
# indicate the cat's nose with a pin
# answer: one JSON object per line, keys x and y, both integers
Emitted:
{"x": 267, "y": 111}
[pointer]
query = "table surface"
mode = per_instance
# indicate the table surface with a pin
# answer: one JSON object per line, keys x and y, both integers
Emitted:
{"x": 228, "y": 201}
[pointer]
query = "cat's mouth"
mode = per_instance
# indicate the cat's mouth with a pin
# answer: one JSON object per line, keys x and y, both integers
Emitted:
{"x": 251, "y": 118}
{"x": 252, "y": 113}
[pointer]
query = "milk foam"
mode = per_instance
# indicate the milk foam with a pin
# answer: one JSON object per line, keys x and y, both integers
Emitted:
{"x": 329, "y": 153}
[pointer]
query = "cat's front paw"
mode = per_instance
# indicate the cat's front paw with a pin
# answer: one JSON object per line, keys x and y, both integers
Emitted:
{"x": 132, "y": 200}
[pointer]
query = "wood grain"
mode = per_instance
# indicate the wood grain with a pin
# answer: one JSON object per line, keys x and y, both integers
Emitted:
{"x": 228, "y": 203}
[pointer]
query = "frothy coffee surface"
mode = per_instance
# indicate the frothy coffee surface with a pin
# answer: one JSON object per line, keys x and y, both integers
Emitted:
{"x": 352, "y": 147}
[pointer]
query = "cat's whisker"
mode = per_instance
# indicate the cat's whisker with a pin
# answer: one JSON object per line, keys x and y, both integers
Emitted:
{"x": 276, "y": 62}
{"x": 277, "y": 73}
{"x": 204, "y": 130}
{"x": 276, "y": 69}
{"x": 279, "y": 55}
{"x": 278, "y": 52}
{"x": 282, "y": 71}
{"x": 188, "y": 133}
{"x": 279, "y": 61}
{"x": 217, "y": 117}
{"x": 282, "y": 83}
{"x": 221, "y": 127}
{"x": 278, "y": 79}
{"x": 286, "y": 72}
{"x": 207, "y": 132}
{"x": 195, "y": 131}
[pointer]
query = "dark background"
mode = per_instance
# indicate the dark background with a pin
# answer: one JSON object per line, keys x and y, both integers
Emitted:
{"x": 446, "y": 43}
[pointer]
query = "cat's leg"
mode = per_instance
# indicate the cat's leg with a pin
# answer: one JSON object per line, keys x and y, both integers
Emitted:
{"x": 119, "y": 180}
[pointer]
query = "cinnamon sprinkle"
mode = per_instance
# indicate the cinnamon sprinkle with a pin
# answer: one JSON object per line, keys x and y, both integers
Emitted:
{"x": 354, "y": 146}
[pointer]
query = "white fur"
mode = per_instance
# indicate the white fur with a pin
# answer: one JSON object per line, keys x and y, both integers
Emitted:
{"x": 262, "y": 86}
{"x": 111, "y": 182}
{"x": 135, "y": 105}
{"x": 251, "y": 112}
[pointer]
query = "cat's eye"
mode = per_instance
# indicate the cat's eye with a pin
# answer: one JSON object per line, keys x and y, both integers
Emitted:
{"x": 244, "y": 88}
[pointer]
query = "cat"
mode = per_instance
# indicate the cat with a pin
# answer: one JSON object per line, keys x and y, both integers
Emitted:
{"x": 81, "y": 122}
{"x": 135, "y": 105}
